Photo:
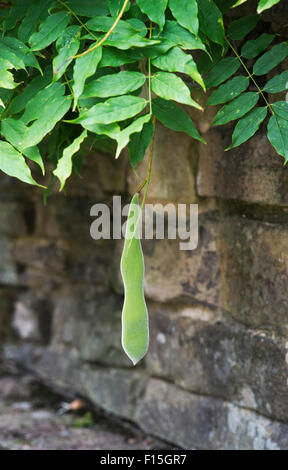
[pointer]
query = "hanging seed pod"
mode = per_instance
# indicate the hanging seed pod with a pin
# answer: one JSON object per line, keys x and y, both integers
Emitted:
{"x": 135, "y": 331}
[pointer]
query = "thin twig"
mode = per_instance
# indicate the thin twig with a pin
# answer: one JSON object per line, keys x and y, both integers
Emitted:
{"x": 98, "y": 44}
{"x": 149, "y": 73}
{"x": 146, "y": 181}
{"x": 251, "y": 77}
{"x": 71, "y": 90}
{"x": 77, "y": 18}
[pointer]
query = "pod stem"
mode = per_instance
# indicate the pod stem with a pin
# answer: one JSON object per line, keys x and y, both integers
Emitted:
{"x": 147, "y": 179}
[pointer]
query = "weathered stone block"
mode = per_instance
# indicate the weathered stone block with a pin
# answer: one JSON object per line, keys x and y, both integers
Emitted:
{"x": 14, "y": 190}
{"x": 58, "y": 259}
{"x": 41, "y": 253}
{"x": 202, "y": 119}
{"x": 25, "y": 322}
{"x": 65, "y": 217}
{"x": 192, "y": 421}
{"x": 100, "y": 174}
{"x": 12, "y": 221}
{"x": 114, "y": 390}
{"x": 32, "y": 317}
{"x": 175, "y": 159}
{"x": 252, "y": 172}
{"x": 90, "y": 321}
{"x": 117, "y": 391}
{"x": 6, "y": 307}
{"x": 254, "y": 269}
{"x": 171, "y": 273}
{"x": 205, "y": 354}
{"x": 8, "y": 270}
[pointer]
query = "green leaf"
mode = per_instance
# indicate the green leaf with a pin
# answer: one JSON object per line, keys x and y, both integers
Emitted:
{"x": 135, "y": 12}
{"x": 179, "y": 36}
{"x": 11, "y": 57}
{"x": 135, "y": 331}
{"x": 114, "y": 84}
{"x": 16, "y": 12}
{"x": 115, "y": 7}
{"x": 5, "y": 96}
{"x": 229, "y": 90}
{"x": 238, "y": 29}
{"x": 270, "y": 59}
{"x": 154, "y": 10}
{"x": 33, "y": 154}
{"x": 222, "y": 71}
{"x": 46, "y": 108}
{"x": 64, "y": 165}
{"x": 186, "y": 13}
{"x": 174, "y": 117}
{"x": 49, "y": 30}
{"x": 38, "y": 83}
{"x": 236, "y": 109}
{"x": 278, "y": 83}
{"x": 37, "y": 12}
{"x": 17, "y": 53}
{"x": 42, "y": 126}
{"x": 139, "y": 143}
{"x": 170, "y": 87}
{"x": 110, "y": 130}
{"x": 124, "y": 36}
{"x": 84, "y": 68}
{"x": 278, "y": 135}
{"x": 247, "y": 126}
{"x": 211, "y": 21}
{"x": 254, "y": 47}
{"x": 176, "y": 60}
{"x": 225, "y": 5}
{"x": 240, "y": 2}
{"x": 265, "y": 4}
{"x": 155, "y": 51}
{"x": 127, "y": 28}
{"x": 112, "y": 57}
{"x": 207, "y": 62}
{"x": 125, "y": 41}
{"x": 281, "y": 109}
{"x": 67, "y": 46}
{"x": 89, "y": 8}
{"x": 2, "y": 104}
{"x": 14, "y": 131}
{"x": 112, "y": 110}
{"x": 124, "y": 136}
{"x": 6, "y": 78}
{"x": 45, "y": 98}
{"x": 13, "y": 164}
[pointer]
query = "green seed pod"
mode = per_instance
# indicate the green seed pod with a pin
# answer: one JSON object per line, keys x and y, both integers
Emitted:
{"x": 135, "y": 330}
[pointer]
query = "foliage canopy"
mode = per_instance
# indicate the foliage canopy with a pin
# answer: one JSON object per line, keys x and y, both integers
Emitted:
{"x": 72, "y": 69}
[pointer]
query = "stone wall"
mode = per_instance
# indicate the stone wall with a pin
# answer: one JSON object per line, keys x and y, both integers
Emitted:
{"x": 216, "y": 375}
